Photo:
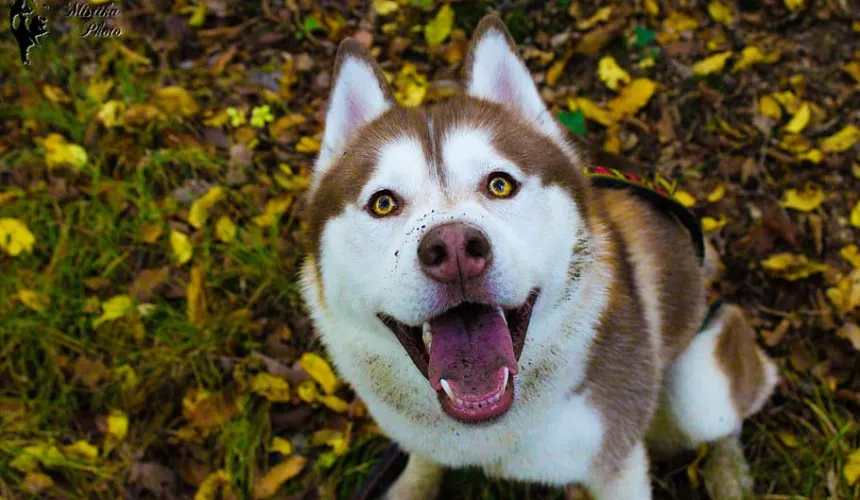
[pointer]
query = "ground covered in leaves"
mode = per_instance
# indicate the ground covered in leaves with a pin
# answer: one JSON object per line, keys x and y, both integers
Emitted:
{"x": 152, "y": 343}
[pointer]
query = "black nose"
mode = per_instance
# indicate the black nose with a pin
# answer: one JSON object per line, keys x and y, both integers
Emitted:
{"x": 454, "y": 251}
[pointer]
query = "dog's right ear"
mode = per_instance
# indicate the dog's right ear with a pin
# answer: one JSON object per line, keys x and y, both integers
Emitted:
{"x": 360, "y": 94}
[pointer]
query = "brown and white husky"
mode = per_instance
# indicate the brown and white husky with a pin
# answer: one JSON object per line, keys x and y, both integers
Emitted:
{"x": 494, "y": 309}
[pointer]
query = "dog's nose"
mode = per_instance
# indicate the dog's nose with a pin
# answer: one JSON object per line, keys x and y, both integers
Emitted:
{"x": 453, "y": 251}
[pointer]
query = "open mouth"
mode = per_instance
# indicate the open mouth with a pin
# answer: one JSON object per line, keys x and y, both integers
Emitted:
{"x": 470, "y": 355}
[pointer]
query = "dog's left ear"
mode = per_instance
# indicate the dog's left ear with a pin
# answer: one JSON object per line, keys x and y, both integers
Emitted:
{"x": 493, "y": 71}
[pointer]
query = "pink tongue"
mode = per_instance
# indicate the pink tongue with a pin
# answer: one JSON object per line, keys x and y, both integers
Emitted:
{"x": 471, "y": 344}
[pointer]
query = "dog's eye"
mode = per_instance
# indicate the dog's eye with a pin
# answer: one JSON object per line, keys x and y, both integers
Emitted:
{"x": 501, "y": 185}
{"x": 383, "y": 203}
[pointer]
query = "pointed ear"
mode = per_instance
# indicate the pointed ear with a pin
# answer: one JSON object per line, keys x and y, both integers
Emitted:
{"x": 493, "y": 71}
{"x": 360, "y": 94}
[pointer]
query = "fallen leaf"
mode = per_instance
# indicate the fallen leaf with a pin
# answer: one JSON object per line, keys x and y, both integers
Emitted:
{"x": 611, "y": 73}
{"x": 800, "y": 119}
{"x": 795, "y": 5}
{"x": 853, "y": 70}
{"x": 685, "y": 198}
{"x": 261, "y": 115}
{"x": 36, "y": 482}
{"x": 573, "y": 121}
{"x": 712, "y": 64}
{"x": 114, "y": 308}
{"x": 602, "y": 15}
{"x": 710, "y": 224}
{"x": 632, "y": 98}
{"x": 215, "y": 481}
{"x": 271, "y": 482}
{"x": 788, "y": 100}
{"x": 591, "y": 110}
{"x": 31, "y": 456}
{"x": 274, "y": 209}
{"x": 175, "y": 99}
{"x": 281, "y": 446}
{"x": 851, "y": 253}
{"x": 410, "y": 86}
{"x": 845, "y": 296}
{"x": 334, "y": 403}
{"x": 792, "y": 266}
{"x": 15, "y": 237}
{"x": 753, "y": 54}
{"x": 273, "y": 388}
{"x": 855, "y": 215}
{"x": 59, "y": 152}
{"x": 200, "y": 208}
{"x": 768, "y": 106}
{"x": 438, "y": 29}
{"x": 319, "y": 370}
{"x": 225, "y": 229}
{"x": 851, "y": 333}
{"x": 98, "y": 90}
{"x": 787, "y": 438}
{"x": 813, "y": 155}
{"x": 841, "y": 141}
{"x": 308, "y": 145}
{"x": 117, "y": 425}
{"x": 111, "y": 113}
{"x": 81, "y": 449}
{"x": 852, "y": 468}
{"x": 385, "y": 7}
{"x": 717, "y": 194}
{"x": 150, "y": 232}
{"x": 196, "y": 296}
{"x": 721, "y": 12}
{"x": 34, "y": 300}
{"x": 307, "y": 391}
{"x": 181, "y": 246}
{"x": 805, "y": 200}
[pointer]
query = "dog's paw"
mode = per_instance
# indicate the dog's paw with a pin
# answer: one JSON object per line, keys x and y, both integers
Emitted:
{"x": 726, "y": 473}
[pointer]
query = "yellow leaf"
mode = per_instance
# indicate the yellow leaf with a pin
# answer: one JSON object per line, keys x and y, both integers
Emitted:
{"x": 34, "y": 300}
{"x": 712, "y": 64}
{"x": 787, "y": 438}
{"x": 788, "y": 100}
{"x": 150, "y": 232}
{"x": 284, "y": 123}
{"x": 709, "y": 224}
{"x": 852, "y": 468}
{"x": 717, "y": 194}
{"x": 209, "y": 487}
{"x": 855, "y": 215}
{"x": 693, "y": 468}
{"x": 805, "y": 200}
{"x": 281, "y": 446}
{"x": 81, "y": 449}
{"x": 768, "y": 106}
{"x": 795, "y": 5}
{"x": 60, "y": 152}
{"x": 685, "y": 198}
{"x": 845, "y": 296}
{"x": 55, "y": 94}
{"x": 679, "y": 22}
{"x": 274, "y": 209}
{"x": 632, "y": 97}
{"x": 591, "y": 110}
{"x": 554, "y": 71}
{"x": 319, "y": 370}
{"x": 334, "y": 403}
{"x": 652, "y": 7}
{"x": 200, "y": 208}
{"x": 271, "y": 482}
{"x": 795, "y": 143}
{"x": 181, "y": 246}
{"x": 175, "y": 99}
{"x": 799, "y": 120}
{"x": 15, "y": 237}
{"x": 792, "y": 266}
{"x": 114, "y": 308}
{"x": 198, "y": 14}
{"x": 611, "y": 73}
{"x": 602, "y": 15}
{"x": 411, "y": 86}
{"x": 813, "y": 155}
{"x": 31, "y": 456}
{"x": 308, "y": 145}
{"x": 385, "y": 7}
{"x": 613, "y": 140}
{"x": 117, "y": 425}
{"x": 779, "y": 261}
{"x": 196, "y": 296}
{"x": 98, "y": 90}
{"x": 438, "y": 29}
{"x": 273, "y": 388}
{"x": 36, "y": 482}
{"x": 754, "y": 55}
{"x": 842, "y": 140}
{"x": 111, "y": 113}
{"x": 851, "y": 253}
{"x": 307, "y": 391}
{"x": 853, "y": 70}
{"x": 721, "y": 12}
{"x": 225, "y": 229}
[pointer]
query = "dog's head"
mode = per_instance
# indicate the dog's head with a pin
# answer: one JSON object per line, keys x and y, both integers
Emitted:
{"x": 441, "y": 230}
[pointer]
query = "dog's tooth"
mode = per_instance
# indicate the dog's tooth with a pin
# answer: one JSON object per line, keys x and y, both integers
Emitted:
{"x": 448, "y": 391}
{"x": 502, "y": 314}
{"x": 427, "y": 335}
{"x": 506, "y": 372}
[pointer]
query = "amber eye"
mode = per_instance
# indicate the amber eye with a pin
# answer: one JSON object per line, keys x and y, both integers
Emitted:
{"x": 383, "y": 203}
{"x": 501, "y": 185}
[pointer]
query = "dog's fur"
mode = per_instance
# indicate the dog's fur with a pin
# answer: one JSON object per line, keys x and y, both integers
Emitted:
{"x": 612, "y": 361}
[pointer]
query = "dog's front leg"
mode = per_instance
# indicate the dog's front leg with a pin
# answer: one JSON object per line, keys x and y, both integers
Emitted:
{"x": 629, "y": 482}
{"x": 420, "y": 481}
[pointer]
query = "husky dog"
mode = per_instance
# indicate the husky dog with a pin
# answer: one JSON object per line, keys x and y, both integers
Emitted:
{"x": 494, "y": 309}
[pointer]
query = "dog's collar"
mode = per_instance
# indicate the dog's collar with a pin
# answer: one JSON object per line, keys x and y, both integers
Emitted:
{"x": 655, "y": 188}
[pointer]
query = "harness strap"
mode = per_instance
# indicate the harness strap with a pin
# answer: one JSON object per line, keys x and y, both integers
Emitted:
{"x": 655, "y": 188}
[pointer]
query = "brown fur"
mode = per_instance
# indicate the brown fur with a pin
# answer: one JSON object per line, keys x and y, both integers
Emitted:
{"x": 739, "y": 357}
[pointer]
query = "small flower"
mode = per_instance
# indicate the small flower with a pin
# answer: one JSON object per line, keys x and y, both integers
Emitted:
{"x": 261, "y": 115}
{"x": 236, "y": 116}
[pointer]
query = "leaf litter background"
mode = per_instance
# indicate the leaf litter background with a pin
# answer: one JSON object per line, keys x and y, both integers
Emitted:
{"x": 152, "y": 344}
